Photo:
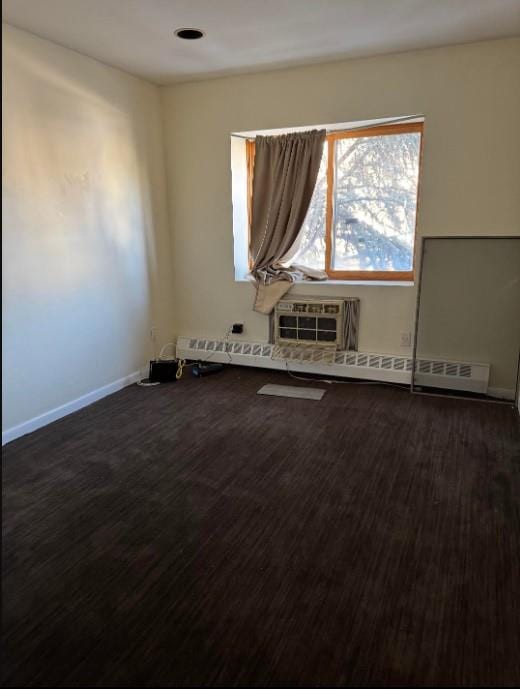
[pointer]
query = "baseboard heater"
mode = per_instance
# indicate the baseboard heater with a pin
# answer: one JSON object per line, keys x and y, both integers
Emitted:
{"x": 451, "y": 375}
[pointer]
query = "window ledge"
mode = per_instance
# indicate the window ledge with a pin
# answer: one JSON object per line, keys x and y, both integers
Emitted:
{"x": 357, "y": 283}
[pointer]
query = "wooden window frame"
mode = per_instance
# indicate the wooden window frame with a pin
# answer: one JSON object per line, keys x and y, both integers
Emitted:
{"x": 332, "y": 137}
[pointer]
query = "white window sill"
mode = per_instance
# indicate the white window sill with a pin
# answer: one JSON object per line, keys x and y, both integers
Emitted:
{"x": 357, "y": 283}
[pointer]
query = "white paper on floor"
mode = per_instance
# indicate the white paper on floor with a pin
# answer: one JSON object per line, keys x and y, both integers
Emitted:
{"x": 292, "y": 391}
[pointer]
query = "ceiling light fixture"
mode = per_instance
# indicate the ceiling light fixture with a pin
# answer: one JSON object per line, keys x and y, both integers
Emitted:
{"x": 189, "y": 34}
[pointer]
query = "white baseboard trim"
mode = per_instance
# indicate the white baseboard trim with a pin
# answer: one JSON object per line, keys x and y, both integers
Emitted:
{"x": 65, "y": 409}
{"x": 502, "y": 393}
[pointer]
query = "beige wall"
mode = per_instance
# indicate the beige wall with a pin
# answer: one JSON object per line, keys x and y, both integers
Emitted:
{"x": 470, "y": 305}
{"x": 89, "y": 264}
{"x": 86, "y": 247}
{"x": 471, "y": 101}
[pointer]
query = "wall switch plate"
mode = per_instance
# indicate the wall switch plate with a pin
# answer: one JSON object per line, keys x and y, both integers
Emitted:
{"x": 406, "y": 339}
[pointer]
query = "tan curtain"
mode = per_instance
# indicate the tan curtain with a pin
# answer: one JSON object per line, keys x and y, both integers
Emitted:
{"x": 285, "y": 172}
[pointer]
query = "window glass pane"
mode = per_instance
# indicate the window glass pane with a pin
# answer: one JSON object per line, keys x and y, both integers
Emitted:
{"x": 312, "y": 249}
{"x": 375, "y": 201}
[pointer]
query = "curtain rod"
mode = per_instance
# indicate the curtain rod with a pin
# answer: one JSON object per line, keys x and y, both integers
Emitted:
{"x": 379, "y": 123}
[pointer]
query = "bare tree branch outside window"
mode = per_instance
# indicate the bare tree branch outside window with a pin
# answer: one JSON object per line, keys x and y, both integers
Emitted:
{"x": 374, "y": 201}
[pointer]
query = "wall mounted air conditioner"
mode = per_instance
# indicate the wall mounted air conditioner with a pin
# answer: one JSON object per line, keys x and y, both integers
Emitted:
{"x": 317, "y": 322}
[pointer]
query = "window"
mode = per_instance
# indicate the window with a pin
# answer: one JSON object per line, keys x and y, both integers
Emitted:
{"x": 362, "y": 218}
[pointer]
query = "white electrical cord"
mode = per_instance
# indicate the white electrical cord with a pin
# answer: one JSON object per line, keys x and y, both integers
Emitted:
{"x": 331, "y": 381}
{"x": 226, "y": 346}
{"x": 328, "y": 381}
{"x": 168, "y": 344}
{"x": 146, "y": 383}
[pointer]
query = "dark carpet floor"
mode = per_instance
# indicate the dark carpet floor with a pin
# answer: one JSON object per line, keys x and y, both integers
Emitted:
{"x": 200, "y": 534}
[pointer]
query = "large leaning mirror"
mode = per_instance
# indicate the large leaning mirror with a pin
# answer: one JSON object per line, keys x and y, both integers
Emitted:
{"x": 467, "y": 337}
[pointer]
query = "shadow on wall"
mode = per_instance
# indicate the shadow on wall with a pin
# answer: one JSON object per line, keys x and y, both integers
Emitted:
{"x": 80, "y": 228}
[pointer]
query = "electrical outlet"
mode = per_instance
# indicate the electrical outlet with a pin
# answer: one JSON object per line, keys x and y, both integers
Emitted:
{"x": 406, "y": 339}
{"x": 153, "y": 330}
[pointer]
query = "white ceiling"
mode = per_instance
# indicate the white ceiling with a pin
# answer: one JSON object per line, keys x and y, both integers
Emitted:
{"x": 253, "y": 35}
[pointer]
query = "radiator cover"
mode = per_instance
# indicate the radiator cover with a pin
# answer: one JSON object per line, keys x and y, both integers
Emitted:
{"x": 452, "y": 375}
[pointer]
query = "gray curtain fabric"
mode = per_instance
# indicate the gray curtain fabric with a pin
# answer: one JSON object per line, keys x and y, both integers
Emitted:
{"x": 285, "y": 173}
{"x": 351, "y": 323}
